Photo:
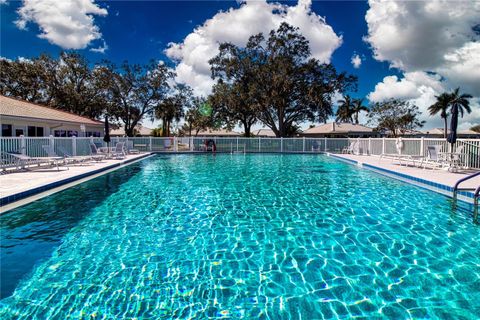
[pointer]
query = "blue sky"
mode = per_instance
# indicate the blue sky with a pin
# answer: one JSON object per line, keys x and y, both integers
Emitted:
{"x": 141, "y": 30}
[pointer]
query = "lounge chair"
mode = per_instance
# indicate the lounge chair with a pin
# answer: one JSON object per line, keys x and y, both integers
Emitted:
{"x": 52, "y": 154}
{"x": 350, "y": 149}
{"x": 75, "y": 159}
{"x": 119, "y": 151}
{"x": 433, "y": 159}
{"x": 95, "y": 154}
{"x": 25, "y": 162}
{"x": 130, "y": 148}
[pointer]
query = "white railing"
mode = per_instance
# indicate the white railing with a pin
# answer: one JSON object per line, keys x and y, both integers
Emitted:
{"x": 33, "y": 146}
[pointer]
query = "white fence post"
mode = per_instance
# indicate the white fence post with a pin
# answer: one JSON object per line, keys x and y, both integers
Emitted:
{"x": 325, "y": 144}
{"x": 383, "y": 145}
{"x": 281, "y": 144}
{"x": 74, "y": 146}
{"x": 237, "y": 144}
{"x": 422, "y": 145}
{"x": 23, "y": 146}
{"x": 259, "y": 148}
{"x": 150, "y": 143}
{"x": 51, "y": 142}
{"x": 191, "y": 144}
{"x": 175, "y": 144}
{"x": 303, "y": 144}
{"x": 369, "y": 146}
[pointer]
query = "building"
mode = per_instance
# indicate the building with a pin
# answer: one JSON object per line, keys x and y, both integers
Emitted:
{"x": 264, "y": 133}
{"x": 18, "y": 117}
{"x": 217, "y": 133}
{"x": 139, "y": 131}
{"x": 339, "y": 130}
{"x": 461, "y": 134}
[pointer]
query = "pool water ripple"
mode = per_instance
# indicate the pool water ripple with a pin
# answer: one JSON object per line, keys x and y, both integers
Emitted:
{"x": 258, "y": 236}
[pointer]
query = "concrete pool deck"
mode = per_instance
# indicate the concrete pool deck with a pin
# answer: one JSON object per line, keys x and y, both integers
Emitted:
{"x": 18, "y": 186}
{"x": 438, "y": 180}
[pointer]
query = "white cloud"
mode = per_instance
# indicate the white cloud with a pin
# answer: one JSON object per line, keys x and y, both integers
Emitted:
{"x": 356, "y": 61}
{"x": 420, "y": 88}
{"x": 236, "y": 26}
{"x": 101, "y": 49}
{"x": 68, "y": 24}
{"x": 423, "y": 37}
{"x": 3, "y": 2}
{"x": 412, "y": 86}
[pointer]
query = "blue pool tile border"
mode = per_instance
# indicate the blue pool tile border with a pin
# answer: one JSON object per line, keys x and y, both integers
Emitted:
{"x": 28, "y": 193}
{"x": 430, "y": 185}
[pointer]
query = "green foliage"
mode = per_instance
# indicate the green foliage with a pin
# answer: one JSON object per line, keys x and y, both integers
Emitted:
{"x": 135, "y": 90}
{"x": 172, "y": 107}
{"x": 66, "y": 83}
{"x": 276, "y": 81}
{"x": 446, "y": 101}
{"x": 349, "y": 109}
{"x": 395, "y": 116}
{"x": 345, "y": 110}
{"x": 195, "y": 121}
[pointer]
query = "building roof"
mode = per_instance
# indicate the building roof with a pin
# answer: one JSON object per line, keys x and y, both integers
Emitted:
{"x": 141, "y": 130}
{"x": 264, "y": 133}
{"x": 218, "y": 133}
{"x": 439, "y": 131}
{"x": 434, "y": 131}
{"x": 23, "y": 109}
{"x": 333, "y": 127}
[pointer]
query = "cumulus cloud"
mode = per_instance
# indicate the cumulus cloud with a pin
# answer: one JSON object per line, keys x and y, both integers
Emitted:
{"x": 436, "y": 49}
{"x": 236, "y": 26}
{"x": 356, "y": 61}
{"x": 3, "y": 2}
{"x": 68, "y": 24}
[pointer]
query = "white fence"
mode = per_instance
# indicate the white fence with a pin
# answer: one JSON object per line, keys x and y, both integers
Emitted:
{"x": 33, "y": 147}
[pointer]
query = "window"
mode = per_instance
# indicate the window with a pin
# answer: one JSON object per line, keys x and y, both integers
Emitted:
{"x": 71, "y": 133}
{"x": 92, "y": 134}
{"x": 19, "y": 132}
{"x": 60, "y": 133}
{"x": 6, "y": 130}
{"x": 35, "y": 131}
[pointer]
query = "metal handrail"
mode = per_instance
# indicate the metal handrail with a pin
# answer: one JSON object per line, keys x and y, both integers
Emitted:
{"x": 455, "y": 188}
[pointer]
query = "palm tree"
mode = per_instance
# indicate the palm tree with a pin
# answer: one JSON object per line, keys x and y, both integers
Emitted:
{"x": 344, "y": 111}
{"x": 442, "y": 105}
{"x": 357, "y": 108}
{"x": 168, "y": 110}
{"x": 461, "y": 101}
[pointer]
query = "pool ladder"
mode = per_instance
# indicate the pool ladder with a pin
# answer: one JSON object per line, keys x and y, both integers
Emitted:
{"x": 232, "y": 149}
{"x": 476, "y": 191}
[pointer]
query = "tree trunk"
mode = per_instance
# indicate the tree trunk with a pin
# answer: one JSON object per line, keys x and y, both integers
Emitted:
{"x": 445, "y": 127}
{"x": 246, "y": 128}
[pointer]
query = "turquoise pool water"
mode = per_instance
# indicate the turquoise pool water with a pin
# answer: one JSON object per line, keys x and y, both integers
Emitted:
{"x": 253, "y": 237}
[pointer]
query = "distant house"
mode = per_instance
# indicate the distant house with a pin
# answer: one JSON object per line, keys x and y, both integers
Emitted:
{"x": 139, "y": 131}
{"x": 264, "y": 133}
{"x": 439, "y": 133}
{"x": 339, "y": 130}
{"x": 19, "y": 117}
{"x": 217, "y": 133}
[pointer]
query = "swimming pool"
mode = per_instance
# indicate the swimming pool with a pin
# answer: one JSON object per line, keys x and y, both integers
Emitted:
{"x": 234, "y": 236}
